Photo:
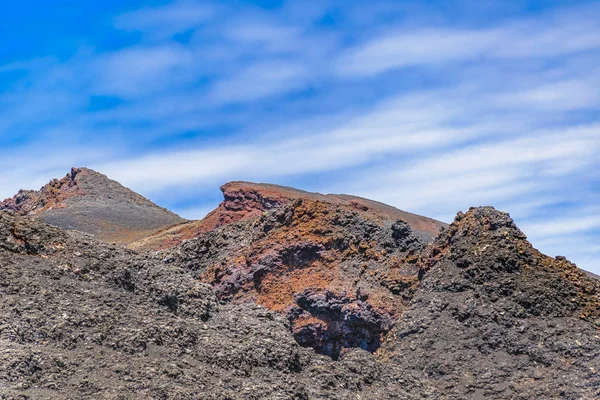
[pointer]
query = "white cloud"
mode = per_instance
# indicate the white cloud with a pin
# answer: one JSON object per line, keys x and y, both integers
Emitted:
{"x": 163, "y": 22}
{"x": 141, "y": 70}
{"x": 405, "y": 49}
{"x": 263, "y": 79}
{"x": 563, "y": 226}
{"x": 562, "y": 95}
{"x": 262, "y": 160}
{"x": 496, "y": 173}
{"x": 555, "y": 35}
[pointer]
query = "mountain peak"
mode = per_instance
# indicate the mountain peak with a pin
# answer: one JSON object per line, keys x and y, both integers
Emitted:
{"x": 488, "y": 300}
{"x": 486, "y": 219}
{"x": 477, "y": 312}
{"x": 89, "y": 201}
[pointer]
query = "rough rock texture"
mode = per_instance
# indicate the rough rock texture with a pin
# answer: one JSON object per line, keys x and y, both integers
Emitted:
{"x": 340, "y": 276}
{"x": 88, "y": 201}
{"x": 494, "y": 318}
{"x": 246, "y": 201}
{"x": 288, "y": 295}
{"x": 80, "y": 319}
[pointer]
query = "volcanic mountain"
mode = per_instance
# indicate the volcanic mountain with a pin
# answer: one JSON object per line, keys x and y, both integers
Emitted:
{"x": 284, "y": 294}
{"x": 246, "y": 200}
{"x": 88, "y": 201}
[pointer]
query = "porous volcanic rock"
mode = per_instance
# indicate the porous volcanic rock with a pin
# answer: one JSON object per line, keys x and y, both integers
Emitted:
{"x": 341, "y": 276}
{"x": 495, "y": 319}
{"x": 283, "y": 294}
{"x": 82, "y": 319}
{"x": 88, "y": 201}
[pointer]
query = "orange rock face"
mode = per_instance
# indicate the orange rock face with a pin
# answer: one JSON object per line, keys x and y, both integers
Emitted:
{"x": 340, "y": 268}
{"x": 245, "y": 201}
{"x": 51, "y": 196}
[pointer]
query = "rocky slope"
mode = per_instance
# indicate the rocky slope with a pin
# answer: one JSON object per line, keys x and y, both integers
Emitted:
{"x": 283, "y": 294}
{"x": 81, "y": 319}
{"x": 88, "y": 201}
{"x": 494, "y": 318}
{"x": 339, "y": 276}
{"x": 245, "y": 201}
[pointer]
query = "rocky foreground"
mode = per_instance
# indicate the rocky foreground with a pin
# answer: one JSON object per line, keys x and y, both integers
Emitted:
{"x": 282, "y": 294}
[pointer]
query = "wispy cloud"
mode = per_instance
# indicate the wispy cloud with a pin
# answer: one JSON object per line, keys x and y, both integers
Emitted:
{"x": 166, "y": 21}
{"x": 263, "y": 79}
{"x": 142, "y": 70}
{"x": 564, "y": 226}
{"x": 490, "y": 173}
{"x": 535, "y": 38}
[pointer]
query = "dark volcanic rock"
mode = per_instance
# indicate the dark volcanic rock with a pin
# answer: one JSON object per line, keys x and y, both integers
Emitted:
{"x": 494, "y": 318}
{"x": 283, "y": 294}
{"x": 80, "y": 319}
{"x": 343, "y": 322}
{"x": 341, "y": 277}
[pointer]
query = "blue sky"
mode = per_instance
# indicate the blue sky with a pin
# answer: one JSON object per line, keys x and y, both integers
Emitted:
{"x": 431, "y": 106}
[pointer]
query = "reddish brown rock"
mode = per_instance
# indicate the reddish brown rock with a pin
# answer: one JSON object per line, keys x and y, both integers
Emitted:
{"x": 341, "y": 274}
{"x": 477, "y": 313}
{"x": 245, "y": 200}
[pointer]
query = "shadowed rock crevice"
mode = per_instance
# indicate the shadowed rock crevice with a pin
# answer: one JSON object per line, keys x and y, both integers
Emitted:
{"x": 332, "y": 324}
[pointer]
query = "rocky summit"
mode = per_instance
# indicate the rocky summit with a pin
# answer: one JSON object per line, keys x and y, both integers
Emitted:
{"x": 88, "y": 201}
{"x": 282, "y": 294}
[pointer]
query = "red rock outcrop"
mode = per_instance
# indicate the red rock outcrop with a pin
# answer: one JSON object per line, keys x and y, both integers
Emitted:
{"x": 340, "y": 269}
{"x": 475, "y": 313}
{"x": 245, "y": 200}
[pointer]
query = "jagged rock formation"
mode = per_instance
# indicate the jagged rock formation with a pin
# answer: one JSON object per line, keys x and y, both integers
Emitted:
{"x": 282, "y": 294}
{"x": 88, "y": 201}
{"x": 340, "y": 275}
{"x": 86, "y": 320}
{"x": 245, "y": 201}
{"x": 494, "y": 318}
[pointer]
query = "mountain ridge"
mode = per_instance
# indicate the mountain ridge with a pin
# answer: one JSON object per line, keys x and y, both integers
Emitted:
{"x": 246, "y": 200}
{"x": 285, "y": 294}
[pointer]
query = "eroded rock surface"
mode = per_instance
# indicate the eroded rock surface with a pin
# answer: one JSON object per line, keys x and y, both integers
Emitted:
{"x": 341, "y": 277}
{"x": 283, "y": 294}
{"x": 246, "y": 201}
{"x": 81, "y": 319}
{"x": 494, "y": 318}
